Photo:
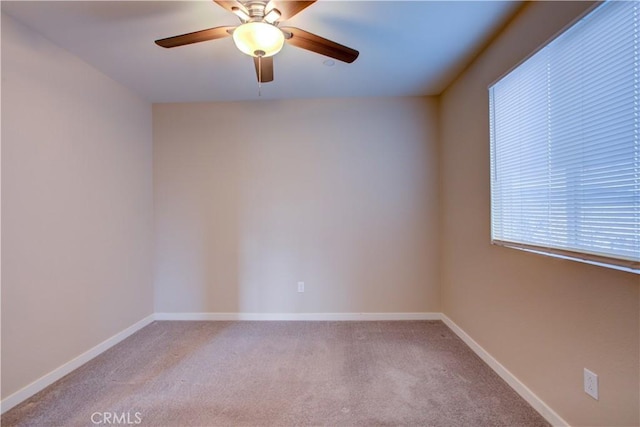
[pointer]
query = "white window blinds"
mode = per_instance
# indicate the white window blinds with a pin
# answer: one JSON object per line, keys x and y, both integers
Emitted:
{"x": 565, "y": 143}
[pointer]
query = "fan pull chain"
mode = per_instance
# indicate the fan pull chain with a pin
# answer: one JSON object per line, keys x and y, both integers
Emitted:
{"x": 260, "y": 75}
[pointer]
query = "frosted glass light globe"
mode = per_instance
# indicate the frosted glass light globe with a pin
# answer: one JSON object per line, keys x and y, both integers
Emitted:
{"x": 258, "y": 39}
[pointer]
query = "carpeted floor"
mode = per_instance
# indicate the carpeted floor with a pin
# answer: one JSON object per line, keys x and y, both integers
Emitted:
{"x": 282, "y": 374}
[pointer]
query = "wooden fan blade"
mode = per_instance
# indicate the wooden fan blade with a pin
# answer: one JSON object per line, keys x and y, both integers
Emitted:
{"x": 266, "y": 64}
{"x": 195, "y": 37}
{"x": 314, "y": 43}
{"x": 289, "y": 8}
{"x": 230, "y": 4}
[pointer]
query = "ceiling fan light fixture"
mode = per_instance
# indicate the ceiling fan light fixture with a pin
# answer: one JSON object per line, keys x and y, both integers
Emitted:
{"x": 258, "y": 39}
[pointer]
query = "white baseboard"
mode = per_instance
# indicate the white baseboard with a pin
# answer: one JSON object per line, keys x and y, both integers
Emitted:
{"x": 549, "y": 414}
{"x": 297, "y": 316}
{"x": 53, "y": 376}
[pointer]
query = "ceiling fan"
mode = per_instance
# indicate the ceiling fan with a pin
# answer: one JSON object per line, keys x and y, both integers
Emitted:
{"x": 260, "y": 35}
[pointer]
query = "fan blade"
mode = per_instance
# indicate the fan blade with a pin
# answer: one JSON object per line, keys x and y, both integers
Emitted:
{"x": 264, "y": 69}
{"x": 230, "y": 4}
{"x": 308, "y": 41}
{"x": 289, "y": 8}
{"x": 195, "y": 37}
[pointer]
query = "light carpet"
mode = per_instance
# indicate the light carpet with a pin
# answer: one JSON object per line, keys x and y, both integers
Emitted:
{"x": 385, "y": 373}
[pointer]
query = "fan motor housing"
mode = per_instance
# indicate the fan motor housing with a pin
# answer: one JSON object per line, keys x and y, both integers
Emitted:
{"x": 256, "y": 9}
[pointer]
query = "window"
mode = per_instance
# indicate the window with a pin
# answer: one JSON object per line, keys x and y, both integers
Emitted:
{"x": 565, "y": 144}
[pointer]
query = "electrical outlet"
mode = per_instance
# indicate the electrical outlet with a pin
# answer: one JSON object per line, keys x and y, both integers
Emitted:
{"x": 590, "y": 383}
{"x": 300, "y": 286}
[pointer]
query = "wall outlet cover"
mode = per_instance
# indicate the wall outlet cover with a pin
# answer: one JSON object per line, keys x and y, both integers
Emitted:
{"x": 591, "y": 383}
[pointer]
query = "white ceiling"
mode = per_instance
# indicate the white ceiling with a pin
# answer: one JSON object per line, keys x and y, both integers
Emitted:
{"x": 406, "y": 47}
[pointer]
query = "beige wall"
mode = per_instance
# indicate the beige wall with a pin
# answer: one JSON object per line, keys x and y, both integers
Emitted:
{"x": 252, "y": 197}
{"x": 544, "y": 319}
{"x": 76, "y": 207}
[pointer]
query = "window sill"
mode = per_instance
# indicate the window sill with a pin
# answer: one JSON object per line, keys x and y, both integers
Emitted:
{"x": 583, "y": 259}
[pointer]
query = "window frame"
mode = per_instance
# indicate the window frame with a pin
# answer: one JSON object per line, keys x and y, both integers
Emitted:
{"x": 622, "y": 264}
